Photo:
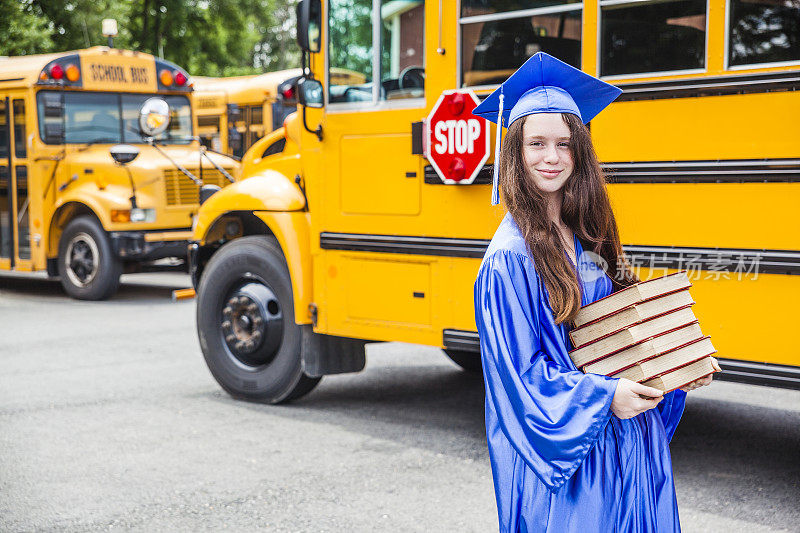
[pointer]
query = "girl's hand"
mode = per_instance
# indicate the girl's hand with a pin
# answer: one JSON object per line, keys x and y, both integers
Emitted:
{"x": 702, "y": 382}
{"x": 631, "y": 398}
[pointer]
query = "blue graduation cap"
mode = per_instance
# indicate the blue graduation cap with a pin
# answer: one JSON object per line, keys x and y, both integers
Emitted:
{"x": 543, "y": 84}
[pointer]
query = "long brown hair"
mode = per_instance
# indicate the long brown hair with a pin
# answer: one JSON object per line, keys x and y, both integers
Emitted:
{"x": 585, "y": 209}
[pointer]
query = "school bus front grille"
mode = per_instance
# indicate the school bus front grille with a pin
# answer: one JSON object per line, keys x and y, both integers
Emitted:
{"x": 180, "y": 190}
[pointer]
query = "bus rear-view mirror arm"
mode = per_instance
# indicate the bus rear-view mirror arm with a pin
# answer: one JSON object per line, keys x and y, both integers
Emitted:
{"x": 309, "y": 94}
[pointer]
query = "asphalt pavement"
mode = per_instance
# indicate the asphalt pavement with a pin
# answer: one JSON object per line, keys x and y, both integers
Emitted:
{"x": 109, "y": 420}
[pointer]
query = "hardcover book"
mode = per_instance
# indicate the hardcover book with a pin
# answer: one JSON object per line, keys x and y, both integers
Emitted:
{"x": 683, "y": 375}
{"x": 645, "y": 350}
{"x": 629, "y": 316}
{"x": 668, "y": 361}
{"x": 625, "y": 338}
{"x": 634, "y": 294}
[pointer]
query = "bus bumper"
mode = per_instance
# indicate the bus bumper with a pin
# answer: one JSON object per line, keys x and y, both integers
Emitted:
{"x": 143, "y": 246}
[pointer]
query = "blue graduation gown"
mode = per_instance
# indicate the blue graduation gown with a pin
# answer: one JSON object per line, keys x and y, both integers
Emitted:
{"x": 561, "y": 461}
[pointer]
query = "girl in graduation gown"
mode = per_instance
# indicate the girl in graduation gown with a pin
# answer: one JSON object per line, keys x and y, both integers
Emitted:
{"x": 569, "y": 451}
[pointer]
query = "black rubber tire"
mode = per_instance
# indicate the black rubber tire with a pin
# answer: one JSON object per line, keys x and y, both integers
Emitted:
{"x": 469, "y": 361}
{"x": 246, "y": 259}
{"x": 87, "y": 232}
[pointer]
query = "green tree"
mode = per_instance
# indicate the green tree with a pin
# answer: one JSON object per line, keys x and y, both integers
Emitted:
{"x": 351, "y": 35}
{"x": 206, "y": 37}
{"x": 23, "y": 31}
{"x": 77, "y": 23}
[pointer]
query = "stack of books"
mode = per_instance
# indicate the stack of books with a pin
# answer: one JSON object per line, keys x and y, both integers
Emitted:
{"x": 646, "y": 333}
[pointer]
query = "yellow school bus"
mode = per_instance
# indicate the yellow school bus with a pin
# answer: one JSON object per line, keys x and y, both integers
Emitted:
{"x": 235, "y": 112}
{"x": 351, "y": 236}
{"x": 100, "y": 171}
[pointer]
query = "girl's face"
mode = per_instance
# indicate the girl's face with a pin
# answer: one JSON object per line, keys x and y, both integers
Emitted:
{"x": 546, "y": 151}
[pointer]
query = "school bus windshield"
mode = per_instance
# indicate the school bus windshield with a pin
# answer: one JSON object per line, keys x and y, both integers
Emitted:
{"x": 94, "y": 117}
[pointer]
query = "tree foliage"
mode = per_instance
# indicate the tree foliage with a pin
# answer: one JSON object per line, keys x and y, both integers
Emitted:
{"x": 206, "y": 37}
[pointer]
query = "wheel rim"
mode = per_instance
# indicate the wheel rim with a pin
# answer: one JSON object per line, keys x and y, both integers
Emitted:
{"x": 82, "y": 259}
{"x": 251, "y": 324}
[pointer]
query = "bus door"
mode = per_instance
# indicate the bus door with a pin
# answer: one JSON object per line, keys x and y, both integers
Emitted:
{"x": 372, "y": 184}
{"x": 15, "y": 241}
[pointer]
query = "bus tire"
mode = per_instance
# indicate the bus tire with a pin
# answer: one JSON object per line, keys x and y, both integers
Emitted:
{"x": 469, "y": 361}
{"x": 87, "y": 265}
{"x": 245, "y": 323}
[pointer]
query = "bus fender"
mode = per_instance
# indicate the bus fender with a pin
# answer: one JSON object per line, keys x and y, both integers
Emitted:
{"x": 291, "y": 229}
{"x": 86, "y": 199}
{"x": 267, "y": 190}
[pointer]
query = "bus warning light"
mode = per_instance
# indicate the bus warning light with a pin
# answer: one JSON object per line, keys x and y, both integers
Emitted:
{"x": 56, "y": 72}
{"x": 166, "y": 78}
{"x": 73, "y": 73}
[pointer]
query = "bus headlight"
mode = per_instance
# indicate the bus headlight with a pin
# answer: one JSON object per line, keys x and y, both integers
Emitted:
{"x": 143, "y": 215}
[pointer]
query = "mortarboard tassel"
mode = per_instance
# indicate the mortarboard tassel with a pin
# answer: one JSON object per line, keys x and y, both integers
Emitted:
{"x": 496, "y": 169}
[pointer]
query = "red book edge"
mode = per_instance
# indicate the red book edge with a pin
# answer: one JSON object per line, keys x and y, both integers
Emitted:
{"x": 637, "y": 284}
{"x": 701, "y": 377}
{"x": 635, "y": 343}
{"x": 684, "y": 345}
{"x": 679, "y": 367}
{"x": 628, "y": 326}
{"x": 621, "y": 309}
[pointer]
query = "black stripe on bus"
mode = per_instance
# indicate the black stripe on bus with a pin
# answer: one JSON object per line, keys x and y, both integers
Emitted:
{"x": 11, "y": 79}
{"x": 710, "y": 86}
{"x": 732, "y": 370}
{"x": 725, "y": 171}
{"x": 737, "y": 260}
{"x": 397, "y": 244}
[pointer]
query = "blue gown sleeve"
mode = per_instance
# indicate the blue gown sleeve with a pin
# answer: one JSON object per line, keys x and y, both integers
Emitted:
{"x": 551, "y": 413}
{"x": 671, "y": 410}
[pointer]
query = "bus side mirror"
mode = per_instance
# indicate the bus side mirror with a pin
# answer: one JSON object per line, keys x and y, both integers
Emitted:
{"x": 309, "y": 93}
{"x": 309, "y": 24}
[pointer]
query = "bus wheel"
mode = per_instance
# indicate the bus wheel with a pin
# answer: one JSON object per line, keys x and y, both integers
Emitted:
{"x": 469, "y": 361}
{"x": 245, "y": 322}
{"x": 87, "y": 266}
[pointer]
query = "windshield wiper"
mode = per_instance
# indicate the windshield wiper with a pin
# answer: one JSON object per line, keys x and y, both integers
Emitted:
{"x": 188, "y": 174}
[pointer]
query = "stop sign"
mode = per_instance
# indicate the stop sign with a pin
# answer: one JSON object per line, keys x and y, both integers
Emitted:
{"x": 457, "y": 142}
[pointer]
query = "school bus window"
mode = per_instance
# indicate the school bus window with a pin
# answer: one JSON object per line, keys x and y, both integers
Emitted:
{"x": 644, "y": 37}
{"x": 5, "y": 215}
{"x": 94, "y": 118}
{"x": 20, "y": 138}
{"x": 88, "y": 117}
{"x": 24, "y": 236}
{"x": 257, "y": 115}
{"x": 211, "y": 122}
{"x": 763, "y": 31}
{"x": 402, "y": 49}
{"x": 209, "y": 131}
{"x": 255, "y": 125}
{"x": 496, "y": 41}
{"x": 180, "y": 122}
{"x": 350, "y": 48}
{"x": 3, "y": 129}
